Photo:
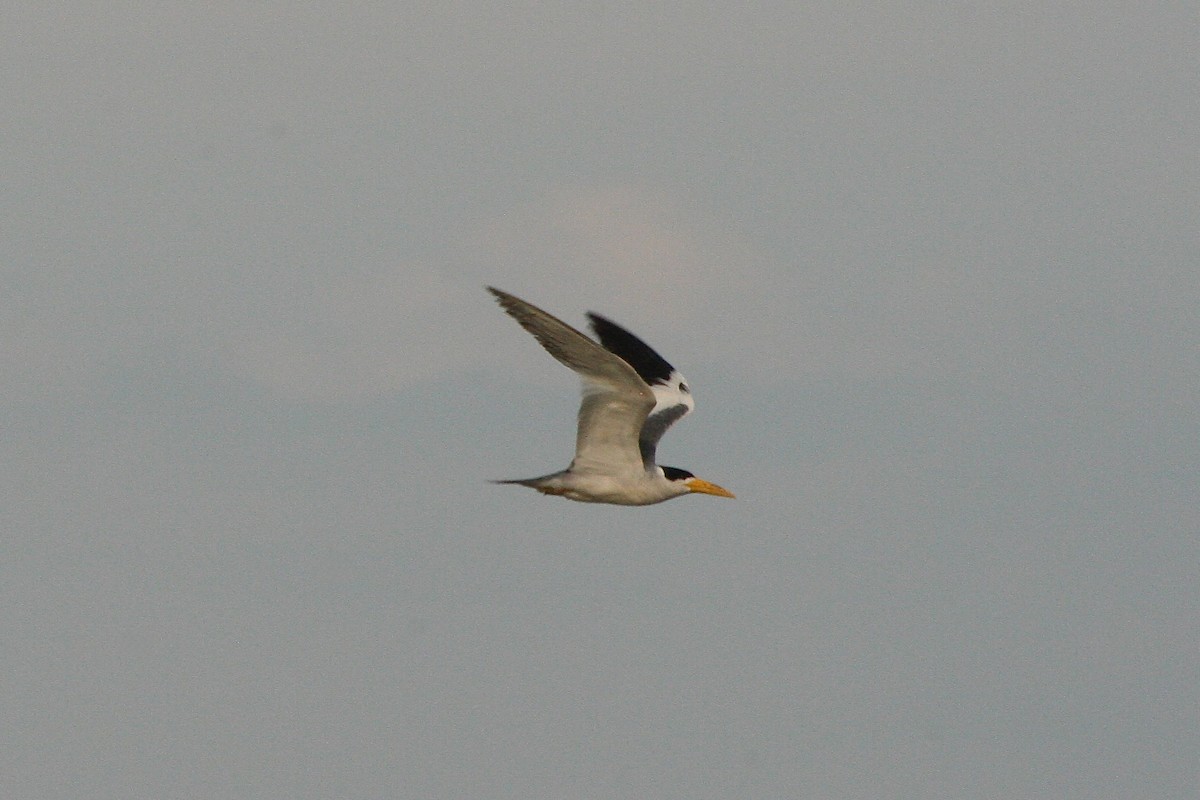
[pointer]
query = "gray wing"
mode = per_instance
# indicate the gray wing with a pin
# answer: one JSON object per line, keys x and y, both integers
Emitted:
{"x": 656, "y": 425}
{"x": 615, "y": 399}
{"x": 672, "y": 396}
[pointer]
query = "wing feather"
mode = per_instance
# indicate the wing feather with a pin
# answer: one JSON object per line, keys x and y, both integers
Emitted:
{"x": 616, "y": 399}
{"x": 672, "y": 395}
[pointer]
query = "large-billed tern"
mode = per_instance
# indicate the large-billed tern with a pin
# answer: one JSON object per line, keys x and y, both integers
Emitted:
{"x": 631, "y": 396}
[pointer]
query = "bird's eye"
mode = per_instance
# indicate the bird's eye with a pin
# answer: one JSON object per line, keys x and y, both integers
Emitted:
{"x": 683, "y": 387}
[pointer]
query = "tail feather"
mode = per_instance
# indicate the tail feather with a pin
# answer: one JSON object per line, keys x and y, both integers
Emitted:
{"x": 530, "y": 482}
{"x": 546, "y": 484}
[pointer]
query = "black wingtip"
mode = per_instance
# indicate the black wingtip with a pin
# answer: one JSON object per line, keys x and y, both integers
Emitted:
{"x": 649, "y": 365}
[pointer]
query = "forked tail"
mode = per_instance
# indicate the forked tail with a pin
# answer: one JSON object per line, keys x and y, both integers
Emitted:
{"x": 546, "y": 484}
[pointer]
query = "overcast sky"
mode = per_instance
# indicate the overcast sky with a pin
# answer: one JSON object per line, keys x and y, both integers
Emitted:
{"x": 931, "y": 270}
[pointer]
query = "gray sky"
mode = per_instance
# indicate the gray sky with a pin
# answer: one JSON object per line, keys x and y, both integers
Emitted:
{"x": 931, "y": 270}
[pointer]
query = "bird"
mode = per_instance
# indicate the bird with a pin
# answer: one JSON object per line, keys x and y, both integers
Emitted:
{"x": 631, "y": 396}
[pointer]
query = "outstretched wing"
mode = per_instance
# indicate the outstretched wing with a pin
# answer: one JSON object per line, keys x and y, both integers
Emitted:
{"x": 672, "y": 395}
{"x": 615, "y": 399}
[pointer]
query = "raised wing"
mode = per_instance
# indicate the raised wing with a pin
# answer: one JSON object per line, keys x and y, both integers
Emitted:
{"x": 615, "y": 399}
{"x": 672, "y": 395}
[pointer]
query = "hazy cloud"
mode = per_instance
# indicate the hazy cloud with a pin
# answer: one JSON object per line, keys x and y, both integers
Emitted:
{"x": 932, "y": 272}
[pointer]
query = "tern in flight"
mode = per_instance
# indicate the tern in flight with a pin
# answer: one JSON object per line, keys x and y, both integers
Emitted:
{"x": 631, "y": 396}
